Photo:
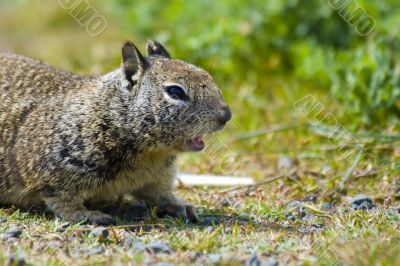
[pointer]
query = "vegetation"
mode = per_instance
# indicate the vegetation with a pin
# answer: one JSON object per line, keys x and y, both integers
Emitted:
{"x": 316, "y": 121}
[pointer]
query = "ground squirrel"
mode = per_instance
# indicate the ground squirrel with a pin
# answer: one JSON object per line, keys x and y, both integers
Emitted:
{"x": 68, "y": 140}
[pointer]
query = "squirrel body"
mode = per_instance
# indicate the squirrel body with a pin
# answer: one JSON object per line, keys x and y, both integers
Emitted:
{"x": 67, "y": 139}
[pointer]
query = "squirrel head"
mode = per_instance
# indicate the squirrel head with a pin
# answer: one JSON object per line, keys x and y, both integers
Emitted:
{"x": 176, "y": 103}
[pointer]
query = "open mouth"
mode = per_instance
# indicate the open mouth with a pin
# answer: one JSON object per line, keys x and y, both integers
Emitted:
{"x": 195, "y": 144}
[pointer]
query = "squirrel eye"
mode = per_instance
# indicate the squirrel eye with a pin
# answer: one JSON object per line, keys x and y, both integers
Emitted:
{"x": 177, "y": 93}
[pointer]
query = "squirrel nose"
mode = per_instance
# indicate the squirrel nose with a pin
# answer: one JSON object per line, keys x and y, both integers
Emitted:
{"x": 226, "y": 115}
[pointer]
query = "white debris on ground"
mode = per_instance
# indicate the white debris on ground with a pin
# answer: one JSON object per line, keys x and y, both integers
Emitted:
{"x": 212, "y": 180}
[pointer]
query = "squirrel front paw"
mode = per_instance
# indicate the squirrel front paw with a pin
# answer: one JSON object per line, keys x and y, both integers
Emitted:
{"x": 99, "y": 218}
{"x": 76, "y": 212}
{"x": 176, "y": 207}
{"x": 90, "y": 217}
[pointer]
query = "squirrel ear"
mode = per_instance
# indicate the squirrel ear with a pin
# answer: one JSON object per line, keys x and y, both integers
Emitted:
{"x": 133, "y": 62}
{"x": 156, "y": 48}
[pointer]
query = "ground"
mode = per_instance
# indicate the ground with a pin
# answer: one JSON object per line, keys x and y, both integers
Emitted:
{"x": 300, "y": 213}
{"x": 308, "y": 167}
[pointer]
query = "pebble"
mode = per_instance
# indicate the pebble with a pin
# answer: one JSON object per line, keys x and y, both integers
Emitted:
{"x": 326, "y": 170}
{"x": 287, "y": 225}
{"x": 361, "y": 202}
{"x": 133, "y": 242}
{"x": 302, "y": 212}
{"x": 18, "y": 258}
{"x": 256, "y": 261}
{"x": 95, "y": 250}
{"x": 13, "y": 232}
{"x": 18, "y": 261}
{"x": 271, "y": 261}
{"x": 100, "y": 232}
{"x": 54, "y": 244}
{"x": 290, "y": 217}
{"x": 214, "y": 258}
{"x": 227, "y": 230}
{"x": 253, "y": 261}
{"x": 293, "y": 204}
{"x": 226, "y": 203}
{"x": 311, "y": 229}
{"x": 3, "y": 220}
{"x": 209, "y": 229}
{"x": 326, "y": 206}
{"x": 158, "y": 247}
{"x": 192, "y": 255}
{"x": 244, "y": 217}
{"x": 163, "y": 264}
{"x": 284, "y": 162}
{"x": 311, "y": 198}
{"x": 392, "y": 212}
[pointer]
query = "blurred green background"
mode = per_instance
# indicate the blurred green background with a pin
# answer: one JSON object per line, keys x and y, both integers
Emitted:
{"x": 265, "y": 56}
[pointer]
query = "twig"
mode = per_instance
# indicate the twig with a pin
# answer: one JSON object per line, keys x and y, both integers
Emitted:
{"x": 350, "y": 170}
{"x": 264, "y": 132}
{"x": 272, "y": 179}
{"x": 385, "y": 170}
{"x": 378, "y": 136}
{"x": 117, "y": 227}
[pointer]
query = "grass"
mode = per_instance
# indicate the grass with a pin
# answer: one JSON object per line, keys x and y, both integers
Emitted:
{"x": 285, "y": 218}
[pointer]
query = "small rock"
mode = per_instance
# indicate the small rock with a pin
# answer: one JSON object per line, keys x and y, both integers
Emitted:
{"x": 227, "y": 230}
{"x": 346, "y": 210}
{"x": 17, "y": 258}
{"x": 315, "y": 228}
{"x": 244, "y": 217}
{"x": 133, "y": 242}
{"x": 392, "y": 212}
{"x": 302, "y": 212}
{"x": 326, "y": 206}
{"x": 100, "y": 232}
{"x": 53, "y": 244}
{"x": 19, "y": 261}
{"x": 253, "y": 261}
{"x": 361, "y": 202}
{"x": 3, "y": 220}
{"x": 294, "y": 204}
{"x": 95, "y": 250}
{"x": 311, "y": 198}
{"x": 209, "y": 229}
{"x": 287, "y": 225}
{"x": 193, "y": 256}
{"x": 226, "y": 203}
{"x": 284, "y": 162}
{"x": 214, "y": 258}
{"x": 290, "y": 217}
{"x": 326, "y": 170}
{"x": 210, "y": 220}
{"x": 13, "y": 232}
{"x": 158, "y": 247}
{"x": 271, "y": 261}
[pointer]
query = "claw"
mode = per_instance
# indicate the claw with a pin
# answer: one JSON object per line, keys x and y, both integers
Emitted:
{"x": 177, "y": 208}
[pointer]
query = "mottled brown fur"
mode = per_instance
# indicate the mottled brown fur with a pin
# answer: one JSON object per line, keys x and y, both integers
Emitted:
{"x": 67, "y": 139}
